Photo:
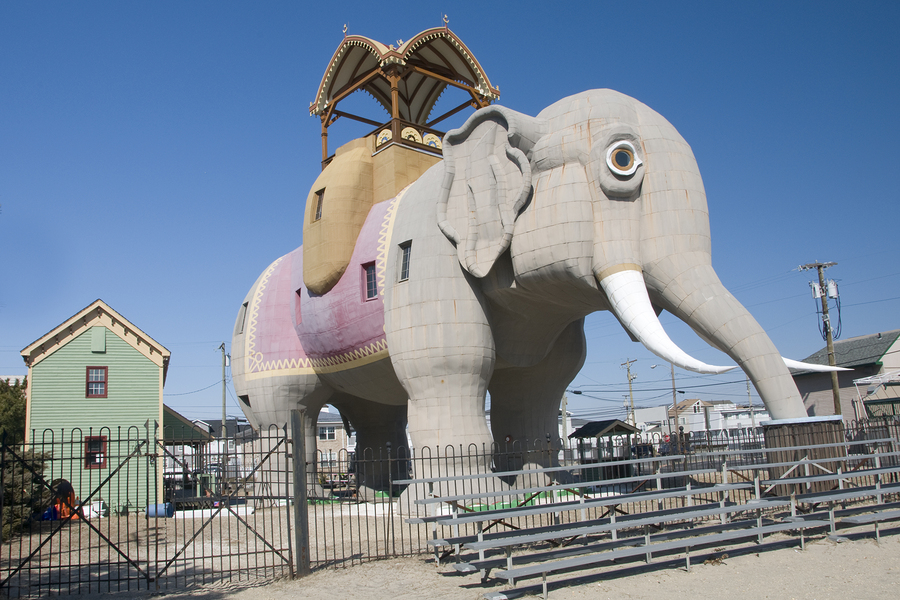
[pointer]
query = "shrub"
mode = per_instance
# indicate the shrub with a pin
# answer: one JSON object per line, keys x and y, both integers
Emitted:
{"x": 24, "y": 495}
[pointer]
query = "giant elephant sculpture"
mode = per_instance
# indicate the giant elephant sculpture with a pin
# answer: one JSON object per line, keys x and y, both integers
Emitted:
{"x": 477, "y": 278}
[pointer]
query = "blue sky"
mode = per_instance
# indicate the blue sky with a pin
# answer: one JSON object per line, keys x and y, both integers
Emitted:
{"x": 157, "y": 155}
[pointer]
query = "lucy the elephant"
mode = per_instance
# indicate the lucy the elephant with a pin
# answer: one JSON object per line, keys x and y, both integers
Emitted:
{"x": 477, "y": 278}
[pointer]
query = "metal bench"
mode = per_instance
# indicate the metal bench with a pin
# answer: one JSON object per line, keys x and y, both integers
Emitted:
{"x": 582, "y": 504}
{"x": 642, "y": 520}
{"x": 875, "y": 518}
{"x": 597, "y": 558}
{"x": 842, "y": 495}
{"x": 462, "y": 515}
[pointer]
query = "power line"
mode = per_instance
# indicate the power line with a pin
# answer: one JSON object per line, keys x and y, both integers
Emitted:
{"x": 687, "y": 387}
{"x": 195, "y": 391}
{"x": 873, "y": 301}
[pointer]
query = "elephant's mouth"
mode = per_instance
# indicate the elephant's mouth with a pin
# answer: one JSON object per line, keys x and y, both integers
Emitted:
{"x": 628, "y": 300}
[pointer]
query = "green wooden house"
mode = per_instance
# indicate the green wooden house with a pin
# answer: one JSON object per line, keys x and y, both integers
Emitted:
{"x": 95, "y": 401}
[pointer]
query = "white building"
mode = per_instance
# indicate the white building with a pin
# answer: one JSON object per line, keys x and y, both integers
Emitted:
{"x": 696, "y": 415}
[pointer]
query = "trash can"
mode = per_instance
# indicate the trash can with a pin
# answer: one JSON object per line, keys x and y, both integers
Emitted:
{"x": 156, "y": 511}
{"x": 206, "y": 481}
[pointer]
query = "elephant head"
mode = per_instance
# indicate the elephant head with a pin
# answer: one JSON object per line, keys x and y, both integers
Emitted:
{"x": 599, "y": 201}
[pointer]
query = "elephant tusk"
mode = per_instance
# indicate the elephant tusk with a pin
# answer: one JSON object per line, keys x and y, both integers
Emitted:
{"x": 802, "y": 366}
{"x": 629, "y": 301}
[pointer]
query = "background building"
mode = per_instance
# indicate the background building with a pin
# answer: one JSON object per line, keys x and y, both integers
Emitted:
{"x": 95, "y": 390}
{"x": 696, "y": 415}
{"x": 868, "y": 356}
{"x": 334, "y": 441}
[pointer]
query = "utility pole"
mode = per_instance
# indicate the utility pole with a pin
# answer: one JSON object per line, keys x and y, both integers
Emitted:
{"x": 224, "y": 428}
{"x": 823, "y": 294}
{"x": 674, "y": 426}
{"x": 627, "y": 364}
{"x": 565, "y": 422}
{"x": 750, "y": 405}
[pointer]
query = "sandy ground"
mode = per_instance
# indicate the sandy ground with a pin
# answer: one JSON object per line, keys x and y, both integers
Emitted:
{"x": 855, "y": 569}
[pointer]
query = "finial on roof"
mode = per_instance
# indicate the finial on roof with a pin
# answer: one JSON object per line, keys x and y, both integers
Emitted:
{"x": 345, "y": 30}
{"x": 446, "y": 21}
{"x": 399, "y": 43}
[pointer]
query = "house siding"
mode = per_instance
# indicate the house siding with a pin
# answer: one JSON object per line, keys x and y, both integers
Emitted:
{"x": 61, "y": 411}
{"x": 818, "y": 397}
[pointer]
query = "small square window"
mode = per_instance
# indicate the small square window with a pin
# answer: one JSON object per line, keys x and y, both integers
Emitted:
{"x": 326, "y": 433}
{"x": 371, "y": 285}
{"x": 95, "y": 452}
{"x": 96, "y": 385}
{"x": 405, "y": 250}
{"x": 320, "y": 200}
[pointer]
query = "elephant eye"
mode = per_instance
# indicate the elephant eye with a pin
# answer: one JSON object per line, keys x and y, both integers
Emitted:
{"x": 621, "y": 158}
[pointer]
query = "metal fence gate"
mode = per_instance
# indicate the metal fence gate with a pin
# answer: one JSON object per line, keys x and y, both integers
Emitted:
{"x": 143, "y": 509}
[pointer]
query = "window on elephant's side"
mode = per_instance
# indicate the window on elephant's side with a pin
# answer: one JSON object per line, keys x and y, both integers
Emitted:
{"x": 370, "y": 286}
{"x": 297, "y": 314}
{"x": 242, "y": 319}
{"x": 320, "y": 200}
{"x": 405, "y": 250}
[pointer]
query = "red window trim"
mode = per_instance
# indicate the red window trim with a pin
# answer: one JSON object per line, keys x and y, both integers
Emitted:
{"x": 87, "y": 382}
{"x": 87, "y": 452}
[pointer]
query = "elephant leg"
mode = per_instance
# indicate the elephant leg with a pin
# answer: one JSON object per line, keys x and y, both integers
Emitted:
{"x": 270, "y": 399}
{"x": 437, "y": 328}
{"x": 442, "y": 350}
{"x": 382, "y": 451}
{"x": 697, "y": 297}
{"x": 525, "y": 404}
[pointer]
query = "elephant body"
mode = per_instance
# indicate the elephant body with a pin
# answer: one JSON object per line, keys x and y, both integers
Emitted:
{"x": 484, "y": 270}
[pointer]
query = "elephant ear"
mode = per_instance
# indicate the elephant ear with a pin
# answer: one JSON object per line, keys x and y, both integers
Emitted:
{"x": 487, "y": 181}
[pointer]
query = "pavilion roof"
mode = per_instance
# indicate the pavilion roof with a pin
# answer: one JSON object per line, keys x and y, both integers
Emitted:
{"x": 427, "y": 64}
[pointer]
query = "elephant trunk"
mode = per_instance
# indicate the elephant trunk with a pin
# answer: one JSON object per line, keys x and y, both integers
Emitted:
{"x": 696, "y": 296}
{"x": 628, "y": 299}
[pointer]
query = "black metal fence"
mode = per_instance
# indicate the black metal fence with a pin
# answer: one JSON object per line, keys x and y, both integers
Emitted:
{"x": 143, "y": 509}
{"x": 130, "y": 509}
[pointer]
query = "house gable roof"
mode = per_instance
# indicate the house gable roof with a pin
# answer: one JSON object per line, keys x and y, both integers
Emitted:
{"x": 177, "y": 429}
{"x": 856, "y": 351}
{"x": 609, "y": 427}
{"x": 96, "y": 313}
{"x": 233, "y": 427}
{"x": 686, "y": 404}
{"x": 330, "y": 418}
